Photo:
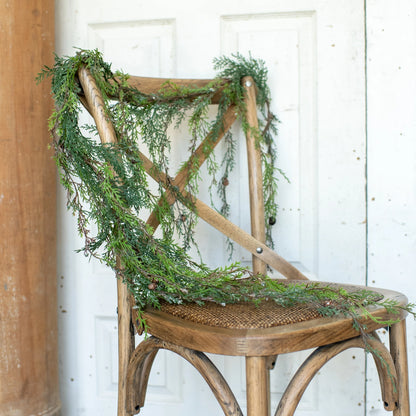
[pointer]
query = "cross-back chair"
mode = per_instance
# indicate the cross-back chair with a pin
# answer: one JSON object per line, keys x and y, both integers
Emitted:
{"x": 257, "y": 333}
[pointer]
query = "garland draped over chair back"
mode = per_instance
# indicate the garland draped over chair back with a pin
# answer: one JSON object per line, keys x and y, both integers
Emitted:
{"x": 107, "y": 184}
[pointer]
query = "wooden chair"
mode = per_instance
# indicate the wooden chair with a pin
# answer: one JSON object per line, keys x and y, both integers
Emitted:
{"x": 259, "y": 334}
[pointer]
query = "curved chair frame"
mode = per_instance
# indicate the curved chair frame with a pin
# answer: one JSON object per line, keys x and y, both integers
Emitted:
{"x": 142, "y": 359}
{"x": 141, "y": 364}
{"x": 259, "y": 346}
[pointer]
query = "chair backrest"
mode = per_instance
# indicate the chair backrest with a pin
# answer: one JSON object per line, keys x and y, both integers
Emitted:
{"x": 254, "y": 242}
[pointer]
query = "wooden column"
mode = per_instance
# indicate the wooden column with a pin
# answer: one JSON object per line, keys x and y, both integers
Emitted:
{"x": 28, "y": 323}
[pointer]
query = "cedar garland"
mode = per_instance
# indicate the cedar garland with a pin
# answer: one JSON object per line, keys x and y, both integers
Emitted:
{"x": 107, "y": 186}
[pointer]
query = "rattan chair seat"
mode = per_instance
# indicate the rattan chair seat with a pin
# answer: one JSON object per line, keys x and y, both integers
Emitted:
{"x": 242, "y": 315}
{"x": 267, "y": 314}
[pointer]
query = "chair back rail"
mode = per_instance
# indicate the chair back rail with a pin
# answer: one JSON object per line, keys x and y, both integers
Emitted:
{"x": 149, "y": 86}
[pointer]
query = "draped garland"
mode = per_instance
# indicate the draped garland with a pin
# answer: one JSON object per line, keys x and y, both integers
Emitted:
{"x": 107, "y": 186}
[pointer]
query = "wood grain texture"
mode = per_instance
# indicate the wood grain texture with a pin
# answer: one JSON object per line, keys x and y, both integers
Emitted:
{"x": 28, "y": 309}
{"x": 398, "y": 348}
{"x": 95, "y": 104}
{"x": 257, "y": 384}
{"x": 255, "y": 177}
{"x": 125, "y": 343}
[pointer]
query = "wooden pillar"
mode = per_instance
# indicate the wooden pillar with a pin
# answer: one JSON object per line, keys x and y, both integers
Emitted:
{"x": 28, "y": 313}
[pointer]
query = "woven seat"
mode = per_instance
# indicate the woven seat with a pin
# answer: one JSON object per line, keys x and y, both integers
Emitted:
{"x": 266, "y": 314}
{"x": 242, "y": 315}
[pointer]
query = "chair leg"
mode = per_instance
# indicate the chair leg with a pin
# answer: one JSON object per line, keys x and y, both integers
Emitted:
{"x": 257, "y": 382}
{"x": 125, "y": 344}
{"x": 398, "y": 350}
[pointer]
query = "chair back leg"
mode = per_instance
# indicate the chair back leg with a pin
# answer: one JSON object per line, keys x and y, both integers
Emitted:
{"x": 398, "y": 350}
{"x": 125, "y": 344}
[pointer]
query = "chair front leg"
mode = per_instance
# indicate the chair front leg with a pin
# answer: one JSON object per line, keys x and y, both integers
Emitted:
{"x": 258, "y": 386}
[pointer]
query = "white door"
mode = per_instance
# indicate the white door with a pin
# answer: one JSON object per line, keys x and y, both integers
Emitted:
{"x": 314, "y": 50}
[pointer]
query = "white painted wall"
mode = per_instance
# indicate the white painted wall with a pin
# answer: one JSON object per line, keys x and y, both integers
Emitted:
{"x": 391, "y": 70}
{"x": 330, "y": 223}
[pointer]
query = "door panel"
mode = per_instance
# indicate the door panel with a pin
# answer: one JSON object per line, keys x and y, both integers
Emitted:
{"x": 314, "y": 51}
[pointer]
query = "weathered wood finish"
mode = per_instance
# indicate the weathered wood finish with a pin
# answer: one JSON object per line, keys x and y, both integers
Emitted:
{"x": 257, "y": 383}
{"x": 95, "y": 103}
{"x": 28, "y": 306}
{"x": 255, "y": 177}
{"x": 125, "y": 342}
{"x": 398, "y": 350}
{"x": 259, "y": 346}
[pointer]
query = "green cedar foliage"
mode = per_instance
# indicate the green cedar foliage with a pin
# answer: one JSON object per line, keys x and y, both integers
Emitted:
{"x": 107, "y": 186}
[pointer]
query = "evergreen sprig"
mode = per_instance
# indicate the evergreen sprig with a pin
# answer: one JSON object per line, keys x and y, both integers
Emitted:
{"x": 107, "y": 185}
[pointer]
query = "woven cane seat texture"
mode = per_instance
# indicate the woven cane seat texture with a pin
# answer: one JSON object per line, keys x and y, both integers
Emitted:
{"x": 241, "y": 315}
{"x": 267, "y": 314}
